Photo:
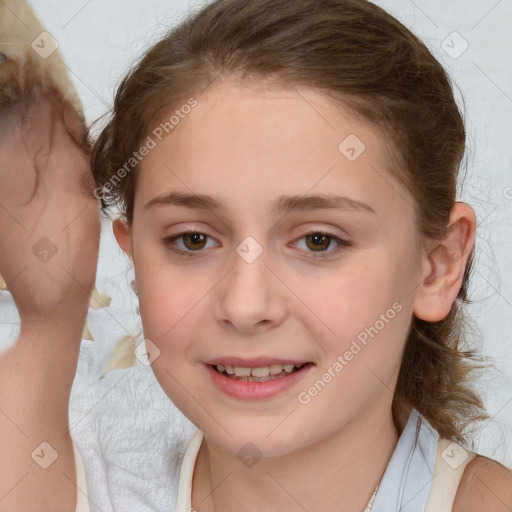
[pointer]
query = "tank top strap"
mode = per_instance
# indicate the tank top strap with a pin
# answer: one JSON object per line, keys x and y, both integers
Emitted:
{"x": 451, "y": 461}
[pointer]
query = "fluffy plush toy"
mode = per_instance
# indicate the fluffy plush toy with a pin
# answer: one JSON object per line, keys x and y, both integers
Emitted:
{"x": 29, "y": 56}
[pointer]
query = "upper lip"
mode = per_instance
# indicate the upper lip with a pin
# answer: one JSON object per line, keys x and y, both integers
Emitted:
{"x": 253, "y": 362}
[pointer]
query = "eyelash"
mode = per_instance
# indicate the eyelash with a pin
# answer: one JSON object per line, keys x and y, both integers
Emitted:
{"x": 169, "y": 244}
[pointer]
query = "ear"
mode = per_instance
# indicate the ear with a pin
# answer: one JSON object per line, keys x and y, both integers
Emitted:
{"x": 446, "y": 265}
{"x": 122, "y": 234}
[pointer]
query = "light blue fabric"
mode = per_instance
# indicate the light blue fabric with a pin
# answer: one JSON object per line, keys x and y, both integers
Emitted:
{"x": 407, "y": 480}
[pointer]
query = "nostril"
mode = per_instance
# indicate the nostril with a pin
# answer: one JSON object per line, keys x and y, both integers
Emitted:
{"x": 3, "y": 58}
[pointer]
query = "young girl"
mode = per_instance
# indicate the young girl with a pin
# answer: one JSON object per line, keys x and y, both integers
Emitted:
{"x": 287, "y": 173}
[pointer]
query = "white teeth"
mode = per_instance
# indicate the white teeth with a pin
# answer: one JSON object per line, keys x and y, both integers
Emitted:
{"x": 262, "y": 371}
{"x": 275, "y": 369}
{"x": 242, "y": 372}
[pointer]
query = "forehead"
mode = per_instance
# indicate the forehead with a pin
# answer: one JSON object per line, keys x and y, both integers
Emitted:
{"x": 250, "y": 144}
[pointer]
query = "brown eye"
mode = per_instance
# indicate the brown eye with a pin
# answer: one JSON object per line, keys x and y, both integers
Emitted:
{"x": 189, "y": 243}
{"x": 319, "y": 241}
{"x": 196, "y": 240}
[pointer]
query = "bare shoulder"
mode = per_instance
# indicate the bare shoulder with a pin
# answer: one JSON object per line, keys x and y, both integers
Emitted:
{"x": 486, "y": 485}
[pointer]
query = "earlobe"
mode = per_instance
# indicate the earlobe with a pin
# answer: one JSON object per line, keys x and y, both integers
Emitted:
{"x": 442, "y": 279}
{"x": 122, "y": 234}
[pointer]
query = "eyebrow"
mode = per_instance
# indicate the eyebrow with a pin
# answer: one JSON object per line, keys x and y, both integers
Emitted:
{"x": 284, "y": 204}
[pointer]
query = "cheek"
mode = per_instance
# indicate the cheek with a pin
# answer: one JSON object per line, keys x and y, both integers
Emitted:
{"x": 169, "y": 295}
{"x": 357, "y": 296}
{"x": 366, "y": 314}
{"x": 170, "y": 310}
{"x": 180, "y": 383}
{"x": 368, "y": 320}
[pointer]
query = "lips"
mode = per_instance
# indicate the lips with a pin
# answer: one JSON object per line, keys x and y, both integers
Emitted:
{"x": 256, "y": 378}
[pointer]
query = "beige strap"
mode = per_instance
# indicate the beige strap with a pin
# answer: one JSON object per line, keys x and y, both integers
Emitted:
{"x": 82, "y": 501}
{"x": 184, "y": 498}
{"x": 451, "y": 461}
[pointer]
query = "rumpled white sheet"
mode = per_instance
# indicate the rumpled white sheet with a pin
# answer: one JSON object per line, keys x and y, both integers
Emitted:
{"x": 131, "y": 437}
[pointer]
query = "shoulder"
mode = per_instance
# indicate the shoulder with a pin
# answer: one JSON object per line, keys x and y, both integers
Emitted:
{"x": 486, "y": 485}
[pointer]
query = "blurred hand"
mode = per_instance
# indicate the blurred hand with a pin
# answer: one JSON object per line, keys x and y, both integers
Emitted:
{"x": 49, "y": 218}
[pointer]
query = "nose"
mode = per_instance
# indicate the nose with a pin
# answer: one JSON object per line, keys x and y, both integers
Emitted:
{"x": 250, "y": 299}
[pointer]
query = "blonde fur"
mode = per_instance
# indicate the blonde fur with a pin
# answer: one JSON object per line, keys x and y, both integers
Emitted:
{"x": 22, "y": 67}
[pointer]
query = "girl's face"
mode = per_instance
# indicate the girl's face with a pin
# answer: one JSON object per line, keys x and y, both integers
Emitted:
{"x": 304, "y": 253}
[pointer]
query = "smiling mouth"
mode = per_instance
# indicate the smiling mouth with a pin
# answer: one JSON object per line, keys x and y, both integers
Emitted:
{"x": 260, "y": 374}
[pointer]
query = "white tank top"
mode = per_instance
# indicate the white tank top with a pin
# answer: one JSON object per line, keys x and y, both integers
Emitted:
{"x": 420, "y": 477}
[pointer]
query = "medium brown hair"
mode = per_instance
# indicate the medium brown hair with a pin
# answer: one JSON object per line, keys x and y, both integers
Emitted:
{"x": 363, "y": 58}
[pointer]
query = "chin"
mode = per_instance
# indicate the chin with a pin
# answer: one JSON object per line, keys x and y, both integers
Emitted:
{"x": 246, "y": 436}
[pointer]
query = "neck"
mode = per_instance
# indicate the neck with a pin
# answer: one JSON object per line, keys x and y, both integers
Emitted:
{"x": 339, "y": 472}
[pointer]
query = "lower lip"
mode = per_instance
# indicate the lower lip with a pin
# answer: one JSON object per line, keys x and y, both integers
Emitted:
{"x": 245, "y": 390}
